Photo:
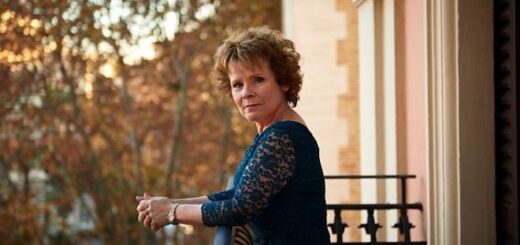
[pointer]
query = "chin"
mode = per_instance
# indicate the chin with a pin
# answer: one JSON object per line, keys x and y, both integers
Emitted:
{"x": 252, "y": 118}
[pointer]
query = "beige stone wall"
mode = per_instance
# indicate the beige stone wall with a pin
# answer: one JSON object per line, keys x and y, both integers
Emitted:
{"x": 326, "y": 36}
{"x": 349, "y": 105}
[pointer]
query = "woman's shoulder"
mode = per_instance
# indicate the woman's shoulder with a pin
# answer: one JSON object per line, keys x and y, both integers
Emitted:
{"x": 296, "y": 131}
{"x": 289, "y": 127}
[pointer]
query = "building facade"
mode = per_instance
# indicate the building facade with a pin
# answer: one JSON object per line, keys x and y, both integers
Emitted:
{"x": 407, "y": 86}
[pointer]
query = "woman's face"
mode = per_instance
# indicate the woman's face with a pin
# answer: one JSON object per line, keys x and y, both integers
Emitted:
{"x": 255, "y": 91}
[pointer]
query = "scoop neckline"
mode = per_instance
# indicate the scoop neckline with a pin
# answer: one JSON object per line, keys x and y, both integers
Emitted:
{"x": 289, "y": 121}
{"x": 285, "y": 121}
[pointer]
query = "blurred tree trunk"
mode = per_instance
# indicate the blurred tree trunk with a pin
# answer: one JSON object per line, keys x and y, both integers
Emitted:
{"x": 105, "y": 218}
{"x": 134, "y": 141}
{"x": 4, "y": 171}
{"x": 226, "y": 136}
{"x": 173, "y": 166}
{"x": 148, "y": 237}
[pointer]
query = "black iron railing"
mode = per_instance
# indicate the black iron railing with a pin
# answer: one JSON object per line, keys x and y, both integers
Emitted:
{"x": 371, "y": 227}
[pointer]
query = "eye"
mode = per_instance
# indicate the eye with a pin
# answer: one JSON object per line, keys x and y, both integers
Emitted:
{"x": 236, "y": 85}
{"x": 258, "y": 79}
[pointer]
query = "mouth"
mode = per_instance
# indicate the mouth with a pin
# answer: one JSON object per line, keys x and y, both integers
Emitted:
{"x": 250, "y": 106}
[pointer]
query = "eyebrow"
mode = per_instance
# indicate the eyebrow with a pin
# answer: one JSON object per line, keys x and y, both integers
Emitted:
{"x": 256, "y": 74}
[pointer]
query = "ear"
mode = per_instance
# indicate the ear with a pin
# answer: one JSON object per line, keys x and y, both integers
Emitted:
{"x": 285, "y": 89}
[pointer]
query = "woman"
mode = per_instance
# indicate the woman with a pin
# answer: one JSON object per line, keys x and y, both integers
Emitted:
{"x": 279, "y": 185}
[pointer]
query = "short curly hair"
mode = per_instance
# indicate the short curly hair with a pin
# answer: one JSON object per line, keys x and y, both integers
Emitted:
{"x": 255, "y": 45}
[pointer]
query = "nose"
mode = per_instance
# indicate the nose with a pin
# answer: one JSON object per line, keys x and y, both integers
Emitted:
{"x": 247, "y": 91}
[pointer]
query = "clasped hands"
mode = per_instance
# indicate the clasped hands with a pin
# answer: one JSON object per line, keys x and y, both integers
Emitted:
{"x": 153, "y": 211}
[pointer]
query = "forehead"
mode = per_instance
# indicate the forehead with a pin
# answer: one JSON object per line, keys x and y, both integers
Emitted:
{"x": 247, "y": 66}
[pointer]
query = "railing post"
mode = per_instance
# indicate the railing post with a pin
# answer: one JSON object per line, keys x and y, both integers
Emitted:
{"x": 403, "y": 190}
{"x": 404, "y": 224}
{"x": 371, "y": 226}
{"x": 338, "y": 227}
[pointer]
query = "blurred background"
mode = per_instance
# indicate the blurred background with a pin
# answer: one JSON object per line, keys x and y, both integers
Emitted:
{"x": 102, "y": 100}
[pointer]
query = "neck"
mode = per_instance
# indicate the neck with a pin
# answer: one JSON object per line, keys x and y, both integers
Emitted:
{"x": 283, "y": 113}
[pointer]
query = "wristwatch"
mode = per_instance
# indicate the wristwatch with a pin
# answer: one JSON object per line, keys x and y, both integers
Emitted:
{"x": 172, "y": 219}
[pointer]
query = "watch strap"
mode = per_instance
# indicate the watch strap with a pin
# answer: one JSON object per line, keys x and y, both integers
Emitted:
{"x": 172, "y": 215}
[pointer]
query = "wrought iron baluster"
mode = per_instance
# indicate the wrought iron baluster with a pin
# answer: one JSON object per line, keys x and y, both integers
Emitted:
{"x": 371, "y": 226}
{"x": 404, "y": 225}
{"x": 338, "y": 227}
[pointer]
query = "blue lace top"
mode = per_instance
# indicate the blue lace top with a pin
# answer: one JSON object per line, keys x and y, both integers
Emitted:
{"x": 279, "y": 189}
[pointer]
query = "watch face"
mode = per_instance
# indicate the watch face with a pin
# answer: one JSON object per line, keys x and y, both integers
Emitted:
{"x": 170, "y": 216}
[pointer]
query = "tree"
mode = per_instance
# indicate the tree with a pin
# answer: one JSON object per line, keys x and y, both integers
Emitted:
{"x": 87, "y": 124}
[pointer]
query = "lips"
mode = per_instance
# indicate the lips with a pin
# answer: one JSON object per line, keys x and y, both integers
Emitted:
{"x": 250, "y": 106}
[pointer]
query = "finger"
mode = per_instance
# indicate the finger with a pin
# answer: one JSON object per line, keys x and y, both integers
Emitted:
{"x": 141, "y": 217}
{"x": 143, "y": 205}
{"x": 145, "y": 196}
{"x": 148, "y": 222}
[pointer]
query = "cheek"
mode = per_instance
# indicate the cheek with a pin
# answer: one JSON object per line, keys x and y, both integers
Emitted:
{"x": 236, "y": 99}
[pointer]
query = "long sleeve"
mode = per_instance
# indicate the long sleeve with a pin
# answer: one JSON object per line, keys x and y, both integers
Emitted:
{"x": 268, "y": 171}
{"x": 222, "y": 195}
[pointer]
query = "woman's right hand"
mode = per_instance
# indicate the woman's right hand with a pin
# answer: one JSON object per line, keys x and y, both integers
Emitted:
{"x": 153, "y": 211}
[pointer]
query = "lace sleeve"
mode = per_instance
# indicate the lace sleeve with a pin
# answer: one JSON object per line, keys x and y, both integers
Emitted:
{"x": 223, "y": 195}
{"x": 268, "y": 171}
